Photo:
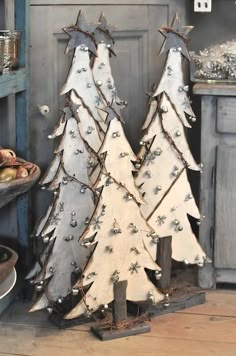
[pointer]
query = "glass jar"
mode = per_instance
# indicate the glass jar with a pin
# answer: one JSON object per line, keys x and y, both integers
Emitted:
{"x": 9, "y": 49}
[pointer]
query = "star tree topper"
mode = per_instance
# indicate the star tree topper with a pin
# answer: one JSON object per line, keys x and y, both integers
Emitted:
{"x": 81, "y": 34}
{"x": 176, "y": 36}
{"x": 103, "y": 32}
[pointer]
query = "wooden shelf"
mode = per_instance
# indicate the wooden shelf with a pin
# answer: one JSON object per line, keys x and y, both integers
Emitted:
{"x": 12, "y": 82}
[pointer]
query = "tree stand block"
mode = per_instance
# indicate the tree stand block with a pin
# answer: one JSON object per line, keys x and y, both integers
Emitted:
{"x": 178, "y": 301}
{"x": 109, "y": 333}
{"x": 61, "y": 323}
{"x": 120, "y": 326}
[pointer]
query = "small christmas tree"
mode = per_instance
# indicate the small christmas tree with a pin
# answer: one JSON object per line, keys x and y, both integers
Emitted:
{"x": 163, "y": 173}
{"x": 64, "y": 221}
{"x": 118, "y": 229}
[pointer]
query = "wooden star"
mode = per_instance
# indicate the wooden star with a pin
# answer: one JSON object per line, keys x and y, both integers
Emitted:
{"x": 113, "y": 111}
{"x": 103, "y": 32}
{"x": 176, "y": 37}
{"x": 81, "y": 34}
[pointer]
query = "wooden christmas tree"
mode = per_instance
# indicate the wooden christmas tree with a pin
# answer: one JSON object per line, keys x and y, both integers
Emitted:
{"x": 68, "y": 177}
{"x": 65, "y": 219}
{"x": 118, "y": 230}
{"x": 163, "y": 174}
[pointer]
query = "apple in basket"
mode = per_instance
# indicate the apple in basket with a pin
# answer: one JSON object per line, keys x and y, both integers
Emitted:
{"x": 7, "y": 157}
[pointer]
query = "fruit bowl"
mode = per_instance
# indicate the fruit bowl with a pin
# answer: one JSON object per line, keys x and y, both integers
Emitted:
{"x": 10, "y": 190}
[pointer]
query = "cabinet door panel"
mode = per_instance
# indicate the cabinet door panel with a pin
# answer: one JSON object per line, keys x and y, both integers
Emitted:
{"x": 226, "y": 114}
{"x": 225, "y": 213}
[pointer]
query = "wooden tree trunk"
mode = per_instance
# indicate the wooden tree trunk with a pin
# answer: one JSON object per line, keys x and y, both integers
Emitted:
{"x": 164, "y": 252}
{"x": 119, "y": 307}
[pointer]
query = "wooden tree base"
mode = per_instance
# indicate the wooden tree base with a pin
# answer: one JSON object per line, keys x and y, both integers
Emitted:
{"x": 177, "y": 301}
{"x": 107, "y": 332}
{"x": 61, "y": 323}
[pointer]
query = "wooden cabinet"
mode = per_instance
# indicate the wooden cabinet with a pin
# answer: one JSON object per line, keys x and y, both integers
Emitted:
{"x": 218, "y": 182}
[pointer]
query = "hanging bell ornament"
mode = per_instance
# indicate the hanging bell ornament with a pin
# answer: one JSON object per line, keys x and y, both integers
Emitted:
{"x": 45, "y": 239}
{"x": 75, "y": 291}
{"x": 158, "y": 275}
{"x": 150, "y": 297}
{"x": 38, "y": 288}
{"x": 109, "y": 249}
{"x": 115, "y": 276}
{"x": 99, "y": 83}
{"x": 164, "y": 109}
{"x": 73, "y": 223}
{"x": 50, "y": 310}
{"x": 166, "y": 303}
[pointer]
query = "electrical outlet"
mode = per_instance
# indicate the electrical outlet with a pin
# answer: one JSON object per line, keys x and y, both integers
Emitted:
{"x": 202, "y": 5}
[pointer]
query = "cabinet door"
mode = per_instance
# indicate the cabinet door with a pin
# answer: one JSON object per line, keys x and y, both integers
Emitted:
{"x": 225, "y": 194}
{"x": 136, "y": 67}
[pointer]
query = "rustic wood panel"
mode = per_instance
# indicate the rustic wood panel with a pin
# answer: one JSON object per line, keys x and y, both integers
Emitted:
{"x": 226, "y": 114}
{"x": 208, "y": 155}
{"x": 225, "y": 224}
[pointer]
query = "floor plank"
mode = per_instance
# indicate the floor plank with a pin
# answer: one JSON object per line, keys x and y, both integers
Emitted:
{"x": 195, "y": 327}
{"x": 222, "y": 303}
{"x": 203, "y": 330}
{"x": 37, "y": 342}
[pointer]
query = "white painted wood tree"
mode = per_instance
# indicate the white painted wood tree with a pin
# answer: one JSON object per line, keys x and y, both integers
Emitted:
{"x": 172, "y": 80}
{"x": 102, "y": 72}
{"x": 118, "y": 230}
{"x": 64, "y": 222}
{"x": 163, "y": 174}
{"x": 68, "y": 176}
{"x": 80, "y": 77}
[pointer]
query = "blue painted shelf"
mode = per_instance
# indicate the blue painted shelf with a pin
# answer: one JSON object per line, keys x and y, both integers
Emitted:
{"x": 12, "y": 82}
{"x": 17, "y": 82}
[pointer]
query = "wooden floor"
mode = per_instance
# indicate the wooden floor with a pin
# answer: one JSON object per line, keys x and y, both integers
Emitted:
{"x": 208, "y": 329}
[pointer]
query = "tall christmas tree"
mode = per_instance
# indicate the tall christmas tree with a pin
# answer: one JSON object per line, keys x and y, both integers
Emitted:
{"x": 163, "y": 174}
{"x": 118, "y": 230}
{"x": 68, "y": 176}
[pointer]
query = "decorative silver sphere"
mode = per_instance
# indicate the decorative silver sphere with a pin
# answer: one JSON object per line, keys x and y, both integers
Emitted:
{"x": 164, "y": 109}
{"x": 157, "y": 275}
{"x": 178, "y": 133}
{"x": 75, "y": 291}
{"x": 99, "y": 83}
{"x": 46, "y": 239}
{"x": 73, "y": 223}
{"x": 38, "y": 288}
{"x": 50, "y": 310}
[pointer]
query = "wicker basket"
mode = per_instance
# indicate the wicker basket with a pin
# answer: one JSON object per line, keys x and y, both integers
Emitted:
{"x": 10, "y": 190}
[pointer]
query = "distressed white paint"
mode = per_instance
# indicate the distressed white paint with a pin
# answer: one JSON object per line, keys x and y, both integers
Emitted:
{"x": 102, "y": 74}
{"x": 120, "y": 167}
{"x": 81, "y": 80}
{"x": 175, "y": 207}
{"x": 172, "y": 82}
{"x": 160, "y": 169}
{"x": 121, "y": 213}
{"x": 174, "y": 128}
{"x": 87, "y": 125}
